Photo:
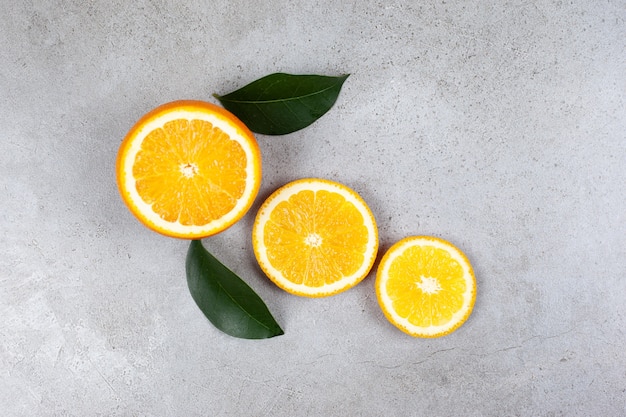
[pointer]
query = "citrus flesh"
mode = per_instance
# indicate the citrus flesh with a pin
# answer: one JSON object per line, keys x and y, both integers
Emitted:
{"x": 425, "y": 286}
{"x": 189, "y": 169}
{"x": 315, "y": 237}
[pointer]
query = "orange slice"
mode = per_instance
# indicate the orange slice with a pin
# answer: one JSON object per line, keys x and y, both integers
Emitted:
{"x": 425, "y": 286}
{"x": 189, "y": 169}
{"x": 315, "y": 238}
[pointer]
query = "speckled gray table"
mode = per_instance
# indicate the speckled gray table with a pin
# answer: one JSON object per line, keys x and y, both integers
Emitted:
{"x": 500, "y": 126}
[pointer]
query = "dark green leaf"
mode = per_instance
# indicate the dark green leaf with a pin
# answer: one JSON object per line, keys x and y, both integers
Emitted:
{"x": 228, "y": 302}
{"x": 283, "y": 103}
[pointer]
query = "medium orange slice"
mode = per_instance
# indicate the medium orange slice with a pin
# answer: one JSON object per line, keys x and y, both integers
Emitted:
{"x": 315, "y": 238}
{"x": 425, "y": 286}
{"x": 189, "y": 169}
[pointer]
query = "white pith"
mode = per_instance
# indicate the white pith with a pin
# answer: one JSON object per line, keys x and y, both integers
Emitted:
{"x": 429, "y": 285}
{"x": 189, "y": 170}
{"x": 314, "y": 240}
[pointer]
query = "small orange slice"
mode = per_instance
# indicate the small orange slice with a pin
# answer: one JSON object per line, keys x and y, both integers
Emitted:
{"x": 315, "y": 238}
{"x": 425, "y": 286}
{"x": 189, "y": 169}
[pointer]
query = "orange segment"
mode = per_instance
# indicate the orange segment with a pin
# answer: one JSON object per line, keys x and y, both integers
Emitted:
{"x": 189, "y": 169}
{"x": 425, "y": 286}
{"x": 315, "y": 237}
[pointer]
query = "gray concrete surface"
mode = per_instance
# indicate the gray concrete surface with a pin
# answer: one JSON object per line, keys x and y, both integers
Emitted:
{"x": 498, "y": 125}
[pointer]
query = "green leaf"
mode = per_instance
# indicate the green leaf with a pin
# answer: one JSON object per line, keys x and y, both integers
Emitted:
{"x": 283, "y": 103}
{"x": 228, "y": 302}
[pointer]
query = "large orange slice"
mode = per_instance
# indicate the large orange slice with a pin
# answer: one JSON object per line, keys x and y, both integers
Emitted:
{"x": 189, "y": 169}
{"x": 425, "y": 286}
{"x": 315, "y": 237}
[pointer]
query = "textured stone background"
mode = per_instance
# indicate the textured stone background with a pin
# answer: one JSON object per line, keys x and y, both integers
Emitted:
{"x": 497, "y": 125}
